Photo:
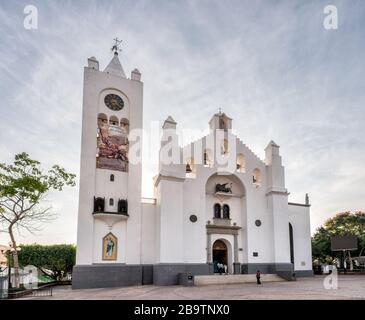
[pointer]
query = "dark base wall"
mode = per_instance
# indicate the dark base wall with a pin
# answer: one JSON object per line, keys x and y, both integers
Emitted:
{"x": 303, "y": 273}
{"x": 266, "y": 267}
{"x": 284, "y": 270}
{"x": 110, "y": 275}
{"x": 121, "y": 275}
{"x": 165, "y": 274}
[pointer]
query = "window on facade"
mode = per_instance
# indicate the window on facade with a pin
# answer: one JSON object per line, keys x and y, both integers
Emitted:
{"x": 225, "y": 211}
{"x": 217, "y": 210}
{"x": 112, "y": 177}
{"x": 111, "y": 202}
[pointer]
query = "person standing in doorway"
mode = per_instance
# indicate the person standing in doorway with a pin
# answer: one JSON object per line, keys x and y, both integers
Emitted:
{"x": 220, "y": 268}
{"x": 258, "y": 277}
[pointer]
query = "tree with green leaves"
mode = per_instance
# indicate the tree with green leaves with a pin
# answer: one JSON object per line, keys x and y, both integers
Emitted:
{"x": 55, "y": 260}
{"x": 341, "y": 224}
{"x": 23, "y": 186}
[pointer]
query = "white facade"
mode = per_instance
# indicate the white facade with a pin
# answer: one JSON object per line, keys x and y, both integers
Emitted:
{"x": 181, "y": 226}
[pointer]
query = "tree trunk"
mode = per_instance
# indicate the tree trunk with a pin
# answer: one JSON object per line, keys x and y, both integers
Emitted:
{"x": 16, "y": 283}
{"x": 351, "y": 262}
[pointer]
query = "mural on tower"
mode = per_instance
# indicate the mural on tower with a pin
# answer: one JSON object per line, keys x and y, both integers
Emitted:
{"x": 110, "y": 242}
{"x": 113, "y": 148}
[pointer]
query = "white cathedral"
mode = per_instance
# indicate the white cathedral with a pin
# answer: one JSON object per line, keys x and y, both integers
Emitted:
{"x": 201, "y": 214}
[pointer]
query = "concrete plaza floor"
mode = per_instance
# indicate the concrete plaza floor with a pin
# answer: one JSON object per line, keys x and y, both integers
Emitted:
{"x": 349, "y": 287}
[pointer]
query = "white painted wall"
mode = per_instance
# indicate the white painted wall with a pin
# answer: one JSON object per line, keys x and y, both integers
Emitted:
{"x": 300, "y": 220}
{"x": 251, "y": 238}
{"x": 101, "y": 229}
{"x": 163, "y": 232}
{"x": 171, "y": 240}
{"x": 148, "y": 235}
{"x": 96, "y": 182}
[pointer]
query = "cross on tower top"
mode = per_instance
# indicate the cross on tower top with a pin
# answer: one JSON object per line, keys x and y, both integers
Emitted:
{"x": 116, "y": 46}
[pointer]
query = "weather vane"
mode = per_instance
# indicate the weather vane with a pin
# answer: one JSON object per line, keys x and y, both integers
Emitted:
{"x": 116, "y": 46}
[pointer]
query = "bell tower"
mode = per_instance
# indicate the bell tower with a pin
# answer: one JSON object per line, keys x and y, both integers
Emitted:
{"x": 109, "y": 217}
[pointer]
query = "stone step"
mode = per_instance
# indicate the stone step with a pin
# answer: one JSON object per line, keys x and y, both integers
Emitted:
{"x": 234, "y": 278}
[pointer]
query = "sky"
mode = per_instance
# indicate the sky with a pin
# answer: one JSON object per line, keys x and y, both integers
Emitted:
{"x": 270, "y": 65}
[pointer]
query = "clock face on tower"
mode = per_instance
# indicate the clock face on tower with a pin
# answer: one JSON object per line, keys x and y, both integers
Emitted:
{"x": 114, "y": 102}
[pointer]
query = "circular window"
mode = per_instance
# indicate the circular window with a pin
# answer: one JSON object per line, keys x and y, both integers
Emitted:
{"x": 258, "y": 223}
{"x": 193, "y": 218}
{"x": 114, "y": 102}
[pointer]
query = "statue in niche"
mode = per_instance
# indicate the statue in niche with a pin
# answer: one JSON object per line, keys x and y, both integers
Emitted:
{"x": 223, "y": 187}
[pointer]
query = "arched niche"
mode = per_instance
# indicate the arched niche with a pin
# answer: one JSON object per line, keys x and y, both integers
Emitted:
{"x": 230, "y": 180}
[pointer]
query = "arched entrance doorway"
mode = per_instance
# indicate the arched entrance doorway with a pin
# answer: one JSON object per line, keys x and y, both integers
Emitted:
{"x": 220, "y": 254}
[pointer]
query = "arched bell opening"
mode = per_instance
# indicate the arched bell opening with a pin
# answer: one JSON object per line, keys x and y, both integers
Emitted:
{"x": 113, "y": 120}
{"x": 102, "y": 119}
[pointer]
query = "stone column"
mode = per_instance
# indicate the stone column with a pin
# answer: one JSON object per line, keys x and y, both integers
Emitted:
{"x": 209, "y": 251}
{"x": 236, "y": 264}
{"x": 235, "y": 248}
